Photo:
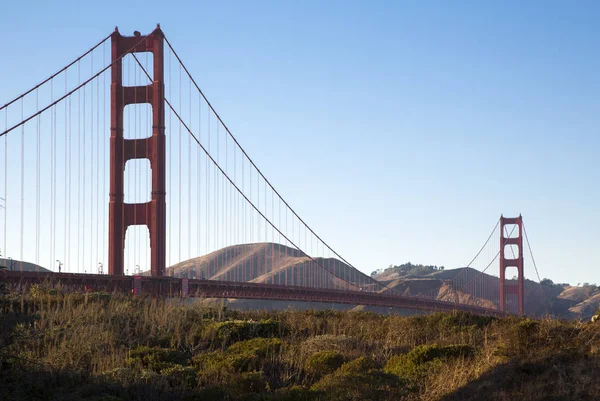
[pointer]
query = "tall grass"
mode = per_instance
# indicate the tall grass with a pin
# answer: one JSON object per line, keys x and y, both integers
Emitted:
{"x": 118, "y": 347}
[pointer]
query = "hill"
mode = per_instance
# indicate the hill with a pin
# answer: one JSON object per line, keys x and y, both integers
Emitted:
{"x": 561, "y": 300}
{"x": 17, "y": 265}
{"x": 270, "y": 263}
{"x": 276, "y": 263}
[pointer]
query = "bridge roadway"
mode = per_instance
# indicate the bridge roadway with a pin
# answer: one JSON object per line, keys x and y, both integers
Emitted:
{"x": 170, "y": 286}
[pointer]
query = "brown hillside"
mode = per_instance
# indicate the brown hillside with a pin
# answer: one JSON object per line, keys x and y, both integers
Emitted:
{"x": 271, "y": 263}
{"x": 588, "y": 307}
{"x": 449, "y": 294}
{"x": 577, "y": 294}
{"x": 278, "y": 264}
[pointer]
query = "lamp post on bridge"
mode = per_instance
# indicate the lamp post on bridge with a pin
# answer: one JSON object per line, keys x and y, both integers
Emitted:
{"x": 59, "y": 264}
{"x": 100, "y": 267}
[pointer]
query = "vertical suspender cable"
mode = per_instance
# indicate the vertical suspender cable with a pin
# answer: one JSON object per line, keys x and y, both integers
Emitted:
{"x": 92, "y": 167}
{"x": 226, "y": 201}
{"x": 169, "y": 258}
{"x": 68, "y": 169}
{"x": 22, "y": 184}
{"x": 37, "y": 184}
{"x": 251, "y": 222}
{"x": 190, "y": 185}
{"x": 134, "y": 172}
{"x": 98, "y": 197}
{"x": 179, "y": 158}
{"x": 51, "y": 172}
{"x": 199, "y": 182}
{"x": 147, "y": 186}
{"x": 65, "y": 211}
{"x": 5, "y": 179}
{"x": 122, "y": 139}
{"x": 54, "y": 184}
{"x": 217, "y": 209}
{"x": 104, "y": 141}
{"x": 83, "y": 185}
{"x": 272, "y": 238}
{"x": 207, "y": 222}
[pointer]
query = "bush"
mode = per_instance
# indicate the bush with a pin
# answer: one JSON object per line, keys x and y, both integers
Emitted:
{"x": 154, "y": 358}
{"x": 322, "y": 363}
{"x": 424, "y": 358}
{"x": 359, "y": 365}
{"x": 359, "y": 380}
{"x": 520, "y": 338}
{"x": 246, "y": 356}
{"x": 180, "y": 376}
{"x": 237, "y": 330}
{"x": 245, "y": 383}
{"x": 340, "y": 343}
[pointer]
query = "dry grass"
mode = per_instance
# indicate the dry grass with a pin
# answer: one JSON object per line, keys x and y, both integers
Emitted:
{"x": 115, "y": 347}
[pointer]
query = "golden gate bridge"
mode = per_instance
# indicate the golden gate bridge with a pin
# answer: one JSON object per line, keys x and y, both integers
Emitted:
{"x": 180, "y": 185}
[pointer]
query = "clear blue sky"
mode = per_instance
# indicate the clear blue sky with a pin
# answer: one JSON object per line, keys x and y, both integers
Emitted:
{"x": 398, "y": 130}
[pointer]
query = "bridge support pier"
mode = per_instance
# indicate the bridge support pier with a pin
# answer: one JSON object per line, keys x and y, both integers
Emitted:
{"x": 516, "y": 262}
{"x": 151, "y": 214}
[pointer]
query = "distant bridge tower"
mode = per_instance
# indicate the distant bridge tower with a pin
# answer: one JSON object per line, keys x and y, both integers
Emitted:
{"x": 512, "y": 260}
{"x": 153, "y": 213}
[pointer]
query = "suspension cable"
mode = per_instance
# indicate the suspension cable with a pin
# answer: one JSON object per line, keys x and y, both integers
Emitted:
{"x": 233, "y": 183}
{"x": 23, "y": 121}
{"x": 534, "y": 265}
{"x": 55, "y": 74}
{"x": 258, "y": 170}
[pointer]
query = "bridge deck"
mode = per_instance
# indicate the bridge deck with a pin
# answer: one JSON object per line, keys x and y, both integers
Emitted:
{"x": 169, "y": 286}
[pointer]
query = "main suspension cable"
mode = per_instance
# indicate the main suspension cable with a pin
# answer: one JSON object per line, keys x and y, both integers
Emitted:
{"x": 55, "y": 74}
{"x": 257, "y": 169}
{"x": 233, "y": 183}
{"x": 25, "y": 120}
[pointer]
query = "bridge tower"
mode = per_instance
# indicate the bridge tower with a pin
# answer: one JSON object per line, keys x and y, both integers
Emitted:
{"x": 153, "y": 213}
{"x": 515, "y": 259}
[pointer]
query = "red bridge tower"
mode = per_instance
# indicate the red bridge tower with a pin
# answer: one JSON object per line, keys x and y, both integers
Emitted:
{"x": 514, "y": 240}
{"x": 153, "y": 213}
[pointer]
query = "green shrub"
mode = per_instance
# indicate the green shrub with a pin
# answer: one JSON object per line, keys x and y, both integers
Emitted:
{"x": 424, "y": 358}
{"x": 293, "y": 393}
{"x": 359, "y": 365}
{"x": 322, "y": 363}
{"x": 359, "y": 380}
{"x": 243, "y": 357}
{"x": 458, "y": 320}
{"x": 245, "y": 383}
{"x": 339, "y": 343}
{"x": 238, "y": 330}
{"x": 180, "y": 376}
{"x": 154, "y": 358}
{"x": 520, "y": 338}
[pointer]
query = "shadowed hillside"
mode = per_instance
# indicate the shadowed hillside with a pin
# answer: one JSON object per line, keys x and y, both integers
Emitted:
{"x": 17, "y": 265}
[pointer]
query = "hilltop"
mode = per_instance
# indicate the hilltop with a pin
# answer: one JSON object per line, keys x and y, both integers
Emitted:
{"x": 17, "y": 265}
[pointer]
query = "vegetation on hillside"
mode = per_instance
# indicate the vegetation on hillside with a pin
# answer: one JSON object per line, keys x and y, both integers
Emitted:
{"x": 101, "y": 347}
{"x": 409, "y": 269}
